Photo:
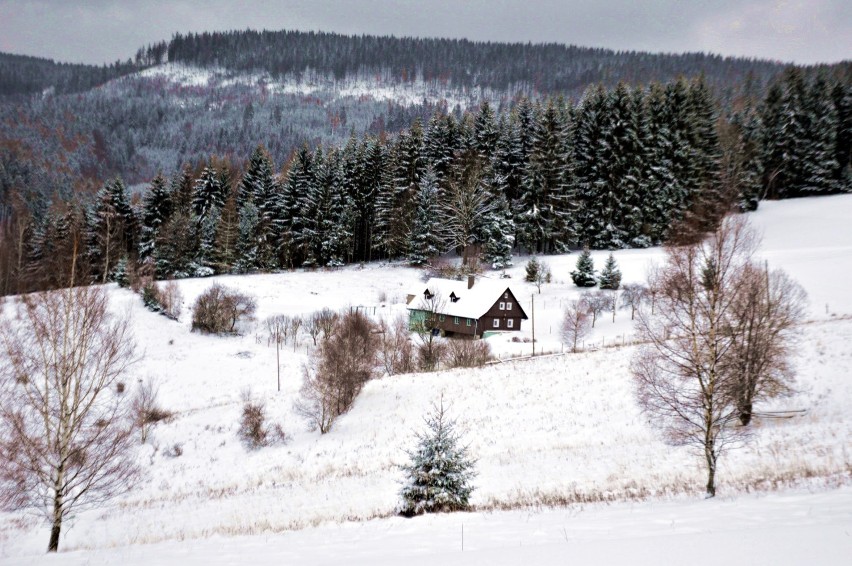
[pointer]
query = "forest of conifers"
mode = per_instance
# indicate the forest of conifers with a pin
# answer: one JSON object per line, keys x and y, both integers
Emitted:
{"x": 626, "y": 166}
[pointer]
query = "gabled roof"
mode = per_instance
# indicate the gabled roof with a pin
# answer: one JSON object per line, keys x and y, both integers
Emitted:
{"x": 469, "y": 303}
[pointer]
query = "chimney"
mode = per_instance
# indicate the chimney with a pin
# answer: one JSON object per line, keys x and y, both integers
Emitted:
{"x": 470, "y": 281}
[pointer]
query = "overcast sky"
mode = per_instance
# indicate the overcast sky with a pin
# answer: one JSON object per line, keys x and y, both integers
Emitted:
{"x": 98, "y": 31}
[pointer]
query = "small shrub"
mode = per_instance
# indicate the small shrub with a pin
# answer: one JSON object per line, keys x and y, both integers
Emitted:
{"x": 151, "y": 297}
{"x": 253, "y": 430}
{"x": 120, "y": 274}
{"x": 146, "y": 409}
{"x": 445, "y": 269}
{"x": 174, "y": 451}
{"x": 219, "y": 309}
{"x": 171, "y": 300}
{"x": 431, "y": 354}
{"x": 468, "y": 353}
{"x": 395, "y": 349}
{"x": 166, "y": 300}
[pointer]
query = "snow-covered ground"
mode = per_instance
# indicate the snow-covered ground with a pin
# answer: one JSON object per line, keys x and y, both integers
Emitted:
{"x": 777, "y": 529}
{"x": 558, "y": 430}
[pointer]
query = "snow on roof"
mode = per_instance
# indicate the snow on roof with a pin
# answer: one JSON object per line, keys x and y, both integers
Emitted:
{"x": 471, "y": 303}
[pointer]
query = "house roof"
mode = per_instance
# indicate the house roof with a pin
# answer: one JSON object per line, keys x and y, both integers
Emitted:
{"x": 471, "y": 303}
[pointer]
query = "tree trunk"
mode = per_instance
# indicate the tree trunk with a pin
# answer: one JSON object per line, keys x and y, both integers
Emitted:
{"x": 745, "y": 413}
{"x": 53, "y": 546}
{"x": 711, "y": 471}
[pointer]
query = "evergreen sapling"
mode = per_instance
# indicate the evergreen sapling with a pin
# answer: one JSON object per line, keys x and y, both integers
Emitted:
{"x": 610, "y": 276}
{"x": 438, "y": 479}
{"x": 584, "y": 275}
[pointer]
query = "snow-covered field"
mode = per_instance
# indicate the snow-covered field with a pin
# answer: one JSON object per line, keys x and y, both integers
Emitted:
{"x": 557, "y": 430}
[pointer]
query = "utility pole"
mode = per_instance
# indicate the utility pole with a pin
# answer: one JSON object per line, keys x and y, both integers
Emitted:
{"x": 532, "y": 311}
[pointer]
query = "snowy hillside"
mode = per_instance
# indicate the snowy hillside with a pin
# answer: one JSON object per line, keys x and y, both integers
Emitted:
{"x": 561, "y": 429}
{"x": 360, "y": 87}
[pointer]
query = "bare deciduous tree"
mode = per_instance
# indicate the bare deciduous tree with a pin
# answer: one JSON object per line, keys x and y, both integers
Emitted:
{"x": 219, "y": 309}
{"x": 327, "y": 320}
{"x": 65, "y": 433}
{"x": 338, "y": 370}
{"x": 425, "y": 324}
{"x": 765, "y": 312}
{"x": 575, "y": 324}
{"x": 633, "y": 295}
{"x": 277, "y": 325}
{"x": 597, "y": 302}
{"x": 689, "y": 377}
{"x": 146, "y": 409}
{"x": 467, "y": 205}
{"x": 467, "y": 353}
{"x": 395, "y": 349}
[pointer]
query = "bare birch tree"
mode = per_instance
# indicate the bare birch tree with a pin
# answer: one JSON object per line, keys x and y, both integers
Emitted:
{"x": 65, "y": 433}
{"x": 575, "y": 324}
{"x": 681, "y": 376}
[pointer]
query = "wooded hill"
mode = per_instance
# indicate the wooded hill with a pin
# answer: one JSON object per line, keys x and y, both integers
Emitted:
{"x": 625, "y": 168}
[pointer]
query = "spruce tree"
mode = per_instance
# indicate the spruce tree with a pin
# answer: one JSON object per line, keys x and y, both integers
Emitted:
{"x": 439, "y": 475}
{"x": 584, "y": 274}
{"x": 610, "y": 275}
{"x": 498, "y": 228}
{"x": 427, "y": 238}
{"x": 532, "y": 269}
{"x": 544, "y": 210}
{"x": 819, "y": 160}
{"x": 157, "y": 209}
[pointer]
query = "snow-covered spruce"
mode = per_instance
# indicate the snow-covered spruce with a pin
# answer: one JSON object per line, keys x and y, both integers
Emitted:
{"x": 441, "y": 470}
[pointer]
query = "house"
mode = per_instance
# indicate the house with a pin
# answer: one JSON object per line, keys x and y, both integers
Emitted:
{"x": 465, "y": 308}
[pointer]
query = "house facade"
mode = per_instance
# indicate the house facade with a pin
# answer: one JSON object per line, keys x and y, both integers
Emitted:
{"x": 465, "y": 308}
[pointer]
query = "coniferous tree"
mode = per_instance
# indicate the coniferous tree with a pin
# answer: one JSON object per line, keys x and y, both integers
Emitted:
{"x": 610, "y": 275}
{"x": 207, "y": 202}
{"x": 498, "y": 227}
{"x": 485, "y": 132}
{"x": 772, "y": 142}
{"x": 842, "y": 95}
{"x": 439, "y": 475}
{"x": 157, "y": 209}
{"x": 819, "y": 165}
{"x": 706, "y": 202}
{"x": 227, "y": 235}
{"x": 532, "y": 269}
{"x": 111, "y": 226}
{"x": 544, "y": 218}
{"x": 427, "y": 237}
{"x": 261, "y": 215}
{"x": 396, "y": 204}
{"x": 584, "y": 274}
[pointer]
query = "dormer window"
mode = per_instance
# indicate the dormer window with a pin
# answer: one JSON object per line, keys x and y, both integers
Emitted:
{"x": 453, "y": 297}
{"x": 428, "y": 294}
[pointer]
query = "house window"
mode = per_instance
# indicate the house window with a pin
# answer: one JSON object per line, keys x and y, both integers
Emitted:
{"x": 508, "y": 306}
{"x": 441, "y": 318}
{"x": 502, "y": 306}
{"x": 469, "y": 322}
{"x": 510, "y": 323}
{"x": 455, "y": 320}
{"x": 496, "y": 323}
{"x": 506, "y": 295}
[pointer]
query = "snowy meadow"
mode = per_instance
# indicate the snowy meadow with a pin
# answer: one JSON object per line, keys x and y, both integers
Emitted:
{"x": 557, "y": 438}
